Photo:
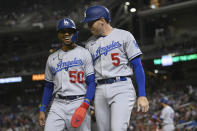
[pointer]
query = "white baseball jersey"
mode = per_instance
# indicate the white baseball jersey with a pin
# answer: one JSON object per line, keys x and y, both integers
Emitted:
{"x": 114, "y": 102}
{"x": 111, "y": 54}
{"x": 167, "y": 114}
{"x": 68, "y": 70}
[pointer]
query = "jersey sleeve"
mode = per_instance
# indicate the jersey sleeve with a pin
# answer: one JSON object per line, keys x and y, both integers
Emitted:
{"x": 162, "y": 114}
{"x": 48, "y": 72}
{"x": 131, "y": 47}
{"x": 88, "y": 64}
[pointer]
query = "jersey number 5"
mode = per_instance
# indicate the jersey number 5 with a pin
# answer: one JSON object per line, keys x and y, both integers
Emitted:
{"x": 115, "y": 59}
{"x": 76, "y": 76}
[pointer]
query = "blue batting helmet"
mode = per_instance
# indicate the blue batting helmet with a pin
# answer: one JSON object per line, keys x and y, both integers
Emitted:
{"x": 68, "y": 23}
{"x": 164, "y": 100}
{"x": 96, "y": 12}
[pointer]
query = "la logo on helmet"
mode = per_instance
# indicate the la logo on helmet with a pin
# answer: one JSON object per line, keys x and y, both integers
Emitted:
{"x": 66, "y": 22}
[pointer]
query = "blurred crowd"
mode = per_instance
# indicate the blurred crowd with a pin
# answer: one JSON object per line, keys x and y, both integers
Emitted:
{"x": 19, "y": 117}
{"x": 41, "y": 11}
{"x": 36, "y": 13}
{"x": 22, "y": 116}
{"x": 181, "y": 98}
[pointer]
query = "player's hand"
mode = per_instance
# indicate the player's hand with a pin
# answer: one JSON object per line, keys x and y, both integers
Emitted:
{"x": 142, "y": 104}
{"x": 41, "y": 119}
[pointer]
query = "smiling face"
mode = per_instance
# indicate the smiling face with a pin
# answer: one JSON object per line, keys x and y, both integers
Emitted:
{"x": 65, "y": 35}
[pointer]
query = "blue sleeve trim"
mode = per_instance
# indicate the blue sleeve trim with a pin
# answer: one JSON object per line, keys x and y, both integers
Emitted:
{"x": 47, "y": 95}
{"x": 86, "y": 101}
{"x": 135, "y": 55}
{"x": 139, "y": 75}
{"x": 90, "y": 81}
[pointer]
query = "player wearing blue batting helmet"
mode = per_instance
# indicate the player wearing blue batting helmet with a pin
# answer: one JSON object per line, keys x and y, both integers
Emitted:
{"x": 67, "y": 25}
{"x": 164, "y": 100}
{"x": 97, "y": 19}
{"x": 95, "y": 13}
{"x": 166, "y": 118}
{"x": 69, "y": 76}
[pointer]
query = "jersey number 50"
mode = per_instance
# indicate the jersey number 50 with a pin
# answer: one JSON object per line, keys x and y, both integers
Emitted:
{"x": 115, "y": 59}
{"x": 76, "y": 76}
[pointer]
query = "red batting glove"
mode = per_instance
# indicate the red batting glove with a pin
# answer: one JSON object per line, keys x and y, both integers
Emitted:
{"x": 79, "y": 115}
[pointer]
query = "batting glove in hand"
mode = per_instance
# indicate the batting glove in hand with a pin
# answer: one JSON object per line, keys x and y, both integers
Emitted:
{"x": 79, "y": 115}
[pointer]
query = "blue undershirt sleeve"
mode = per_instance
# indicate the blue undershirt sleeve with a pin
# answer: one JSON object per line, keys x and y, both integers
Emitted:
{"x": 90, "y": 81}
{"x": 47, "y": 95}
{"x": 139, "y": 75}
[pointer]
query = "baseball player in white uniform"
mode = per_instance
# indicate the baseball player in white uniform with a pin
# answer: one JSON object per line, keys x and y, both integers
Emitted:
{"x": 70, "y": 79}
{"x": 167, "y": 116}
{"x": 115, "y": 56}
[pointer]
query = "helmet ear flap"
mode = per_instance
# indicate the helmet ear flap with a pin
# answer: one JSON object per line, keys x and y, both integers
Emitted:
{"x": 74, "y": 37}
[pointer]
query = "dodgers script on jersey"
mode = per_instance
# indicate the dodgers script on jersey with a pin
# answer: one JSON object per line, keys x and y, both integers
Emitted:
{"x": 68, "y": 71}
{"x": 111, "y": 54}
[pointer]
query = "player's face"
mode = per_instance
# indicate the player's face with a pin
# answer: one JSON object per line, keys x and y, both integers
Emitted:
{"x": 65, "y": 35}
{"x": 161, "y": 105}
{"x": 95, "y": 27}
